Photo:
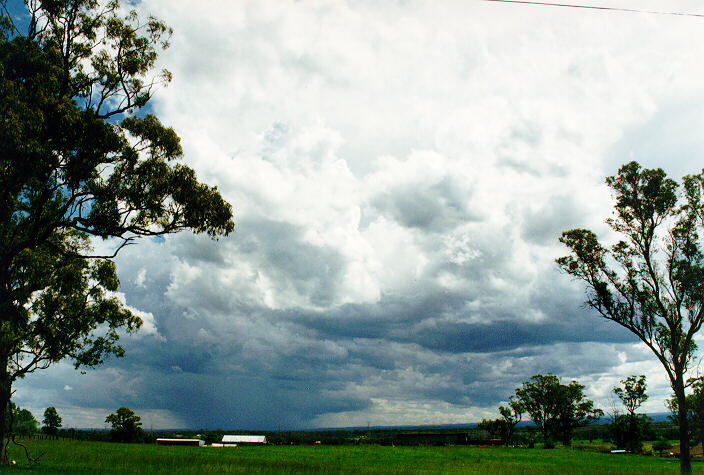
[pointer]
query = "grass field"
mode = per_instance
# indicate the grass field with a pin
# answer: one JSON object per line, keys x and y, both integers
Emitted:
{"x": 66, "y": 456}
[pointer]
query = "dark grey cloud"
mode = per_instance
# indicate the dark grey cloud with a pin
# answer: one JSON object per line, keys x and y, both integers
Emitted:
{"x": 502, "y": 335}
{"x": 545, "y": 224}
{"x": 280, "y": 249}
{"x": 220, "y": 360}
{"x": 424, "y": 321}
{"x": 434, "y": 206}
{"x": 423, "y": 341}
{"x": 310, "y": 359}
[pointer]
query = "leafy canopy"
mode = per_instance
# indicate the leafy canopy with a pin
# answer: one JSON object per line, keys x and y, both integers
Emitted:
{"x": 51, "y": 421}
{"x": 632, "y": 394}
{"x": 629, "y": 430}
{"x": 651, "y": 281}
{"x": 126, "y": 425}
{"x": 505, "y": 426}
{"x": 21, "y": 421}
{"x": 557, "y": 409}
{"x": 79, "y": 160}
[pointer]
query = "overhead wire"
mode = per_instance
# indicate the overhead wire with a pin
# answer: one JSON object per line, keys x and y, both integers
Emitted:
{"x": 597, "y": 7}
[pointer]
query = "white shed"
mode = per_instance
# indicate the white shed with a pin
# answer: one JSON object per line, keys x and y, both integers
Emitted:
{"x": 244, "y": 439}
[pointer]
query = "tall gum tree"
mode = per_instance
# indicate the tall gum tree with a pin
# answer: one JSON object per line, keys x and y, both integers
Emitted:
{"x": 78, "y": 161}
{"x": 652, "y": 280}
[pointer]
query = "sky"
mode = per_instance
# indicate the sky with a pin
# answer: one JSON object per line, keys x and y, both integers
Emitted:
{"x": 400, "y": 174}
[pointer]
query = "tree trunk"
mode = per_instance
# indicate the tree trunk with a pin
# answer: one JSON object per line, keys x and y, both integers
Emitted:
{"x": 685, "y": 457}
{"x": 5, "y": 387}
{"x": 631, "y": 443}
{"x": 546, "y": 436}
{"x": 6, "y": 310}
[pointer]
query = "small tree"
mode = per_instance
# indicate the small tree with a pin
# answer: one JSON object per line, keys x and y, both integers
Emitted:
{"x": 629, "y": 433}
{"x": 18, "y": 422}
{"x": 213, "y": 436}
{"x": 556, "y": 409}
{"x": 511, "y": 416}
{"x": 661, "y": 445}
{"x": 126, "y": 426}
{"x": 652, "y": 280}
{"x": 21, "y": 421}
{"x": 505, "y": 427}
{"x": 494, "y": 427}
{"x": 632, "y": 396}
{"x": 25, "y": 423}
{"x": 52, "y": 421}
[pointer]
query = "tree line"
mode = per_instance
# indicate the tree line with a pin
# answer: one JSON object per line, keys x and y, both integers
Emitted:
{"x": 557, "y": 410}
{"x": 22, "y": 422}
{"x": 126, "y": 425}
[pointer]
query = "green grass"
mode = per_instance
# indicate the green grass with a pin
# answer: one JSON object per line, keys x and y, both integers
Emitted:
{"x": 66, "y": 456}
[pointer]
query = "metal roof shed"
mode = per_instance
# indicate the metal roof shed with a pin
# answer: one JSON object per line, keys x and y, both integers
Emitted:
{"x": 244, "y": 439}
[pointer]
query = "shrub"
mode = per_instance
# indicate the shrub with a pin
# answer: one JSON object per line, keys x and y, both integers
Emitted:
{"x": 662, "y": 445}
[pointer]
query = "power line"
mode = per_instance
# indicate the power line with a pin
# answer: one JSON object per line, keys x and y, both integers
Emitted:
{"x": 594, "y": 7}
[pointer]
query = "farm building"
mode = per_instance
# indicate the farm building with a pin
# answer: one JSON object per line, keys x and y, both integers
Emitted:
{"x": 244, "y": 439}
{"x": 193, "y": 442}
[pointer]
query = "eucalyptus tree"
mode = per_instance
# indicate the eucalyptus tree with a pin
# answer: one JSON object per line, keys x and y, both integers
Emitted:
{"x": 651, "y": 280}
{"x": 629, "y": 428}
{"x": 79, "y": 159}
{"x": 126, "y": 426}
{"x": 504, "y": 427}
{"x": 51, "y": 421}
{"x": 557, "y": 409}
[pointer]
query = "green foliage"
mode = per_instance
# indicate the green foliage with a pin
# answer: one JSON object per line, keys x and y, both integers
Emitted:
{"x": 212, "y": 436}
{"x": 23, "y": 421}
{"x": 557, "y": 409}
{"x": 126, "y": 426}
{"x": 652, "y": 280}
{"x": 52, "y": 421}
{"x": 527, "y": 438}
{"x": 633, "y": 394}
{"x": 504, "y": 427}
{"x": 629, "y": 430}
{"x": 495, "y": 427}
{"x": 77, "y": 161}
{"x": 695, "y": 409}
{"x": 662, "y": 445}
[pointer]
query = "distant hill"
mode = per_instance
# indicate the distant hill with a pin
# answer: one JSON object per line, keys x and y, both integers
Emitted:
{"x": 656, "y": 417}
